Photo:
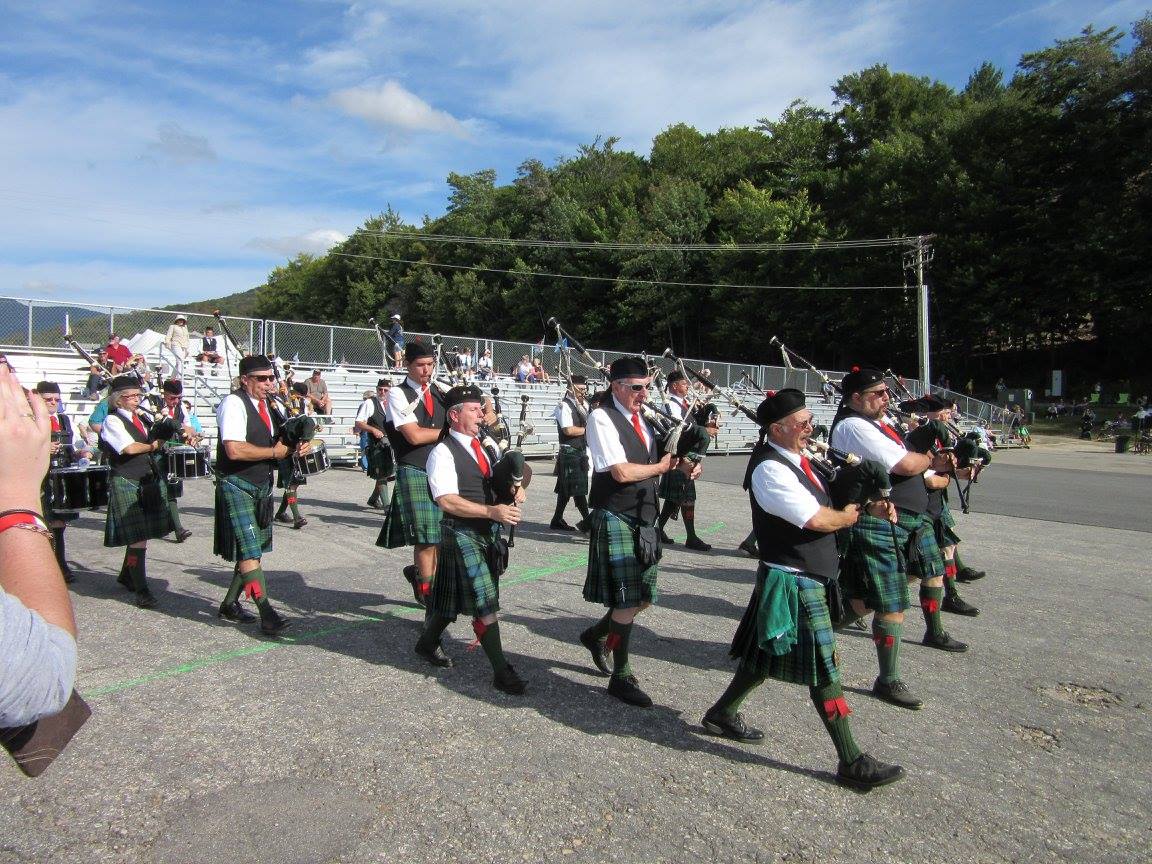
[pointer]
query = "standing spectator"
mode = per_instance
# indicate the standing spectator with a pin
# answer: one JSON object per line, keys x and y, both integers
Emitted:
{"x": 1000, "y": 388}
{"x": 467, "y": 363}
{"x": 318, "y": 394}
{"x": 119, "y": 354}
{"x": 484, "y": 365}
{"x": 970, "y": 387}
{"x": 37, "y": 627}
{"x": 396, "y": 336}
{"x": 176, "y": 341}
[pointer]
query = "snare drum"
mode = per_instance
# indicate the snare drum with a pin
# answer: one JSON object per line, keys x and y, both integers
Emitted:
{"x": 186, "y": 462}
{"x": 316, "y": 461}
{"x": 77, "y": 488}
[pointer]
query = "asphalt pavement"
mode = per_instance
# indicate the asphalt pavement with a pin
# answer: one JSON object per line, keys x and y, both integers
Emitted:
{"x": 209, "y": 742}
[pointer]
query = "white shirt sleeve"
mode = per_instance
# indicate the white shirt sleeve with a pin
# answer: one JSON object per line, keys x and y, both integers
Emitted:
{"x": 857, "y": 435}
{"x": 365, "y": 411}
{"x": 563, "y": 415}
{"x": 441, "y": 469}
{"x": 232, "y": 418}
{"x": 114, "y": 434}
{"x": 397, "y": 404}
{"x": 778, "y": 491}
{"x": 603, "y": 441}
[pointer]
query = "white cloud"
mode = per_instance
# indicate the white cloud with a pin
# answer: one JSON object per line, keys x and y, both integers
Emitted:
{"x": 313, "y": 242}
{"x": 180, "y": 147}
{"x": 391, "y": 106}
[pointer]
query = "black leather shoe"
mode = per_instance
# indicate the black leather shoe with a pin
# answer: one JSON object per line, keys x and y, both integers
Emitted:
{"x": 866, "y": 772}
{"x": 732, "y": 726}
{"x": 299, "y": 523}
{"x": 628, "y": 690}
{"x": 897, "y": 693}
{"x": 583, "y": 526}
{"x": 434, "y": 655}
{"x": 749, "y": 549}
{"x": 958, "y": 606}
{"x": 235, "y": 612}
{"x": 596, "y": 649}
{"x": 507, "y": 681}
{"x": 967, "y": 574}
{"x": 145, "y": 599}
{"x": 697, "y": 544}
{"x": 560, "y": 525}
{"x": 375, "y": 502}
{"x": 182, "y": 535}
{"x": 284, "y": 517}
{"x": 945, "y": 643}
{"x": 665, "y": 539}
{"x": 271, "y": 624}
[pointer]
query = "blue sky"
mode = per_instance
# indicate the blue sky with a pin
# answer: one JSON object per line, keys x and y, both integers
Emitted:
{"x": 162, "y": 152}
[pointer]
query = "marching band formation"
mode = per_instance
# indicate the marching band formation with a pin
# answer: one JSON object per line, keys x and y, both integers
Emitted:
{"x": 840, "y": 530}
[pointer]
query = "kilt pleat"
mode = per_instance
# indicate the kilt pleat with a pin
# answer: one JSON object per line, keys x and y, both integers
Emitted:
{"x": 812, "y": 661}
{"x": 874, "y": 567}
{"x": 413, "y": 517}
{"x": 235, "y": 534}
{"x": 381, "y": 462}
{"x": 463, "y": 583}
{"x": 616, "y": 578}
{"x": 572, "y": 472}
{"x": 676, "y": 488}
{"x": 127, "y": 521}
{"x": 925, "y": 560}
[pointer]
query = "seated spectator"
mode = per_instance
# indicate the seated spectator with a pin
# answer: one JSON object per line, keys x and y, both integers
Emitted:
{"x": 318, "y": 394}
{"x": 523, "y": 369}
{"x": 119, "y": 354}
{"x": 37, "y": 627}
{"x": 539, "y": 373}
{"x": 209, "y": 352}
{"x": 484, "y": 365}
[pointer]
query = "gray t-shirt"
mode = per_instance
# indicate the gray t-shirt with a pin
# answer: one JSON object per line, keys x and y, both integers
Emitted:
{"x": 37, "y": 664}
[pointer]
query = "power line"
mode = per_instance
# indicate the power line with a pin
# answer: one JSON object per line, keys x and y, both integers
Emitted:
{"x": 620, "y": 278}
{"x": 812, "y": 246}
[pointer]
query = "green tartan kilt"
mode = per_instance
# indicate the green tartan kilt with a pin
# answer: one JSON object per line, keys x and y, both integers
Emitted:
{"x": 463, "y": 583}
{"x": 925, "y": 560}
{"x": 676, "y": 488}
{"x": 812, "y": 661}
{"x": 127, "y": 521}
{"x": 572, "y": 472}
{"x": 616, "y": 578}
{"x": 235, "y": 535}
{"x": 413, "y": 517}
{"x": 381, "y": 461}
{"x": 873, "y": 569}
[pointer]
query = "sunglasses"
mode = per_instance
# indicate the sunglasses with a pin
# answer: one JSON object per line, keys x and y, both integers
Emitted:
{"x": 636, "y": 388}
{"x": 882, "y": 392}
{"x": 261, "y": 377}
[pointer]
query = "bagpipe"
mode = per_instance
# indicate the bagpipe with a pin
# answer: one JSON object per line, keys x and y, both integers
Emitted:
{"x": 850, "y": 479}
{"x": 512, "y": 473}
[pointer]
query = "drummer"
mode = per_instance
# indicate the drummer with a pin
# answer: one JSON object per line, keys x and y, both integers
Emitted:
{"x": 288, "y": 477}
{"x": 67, "y": 449}
{"x": 189, "y": 434}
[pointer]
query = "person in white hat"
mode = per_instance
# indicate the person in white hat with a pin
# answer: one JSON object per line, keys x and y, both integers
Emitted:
{"x": 396, "y": 337}
{"x": 176, "y": 341}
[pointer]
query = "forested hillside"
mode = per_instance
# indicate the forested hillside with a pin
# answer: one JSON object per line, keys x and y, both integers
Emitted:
{"x": 1036, "y": 186}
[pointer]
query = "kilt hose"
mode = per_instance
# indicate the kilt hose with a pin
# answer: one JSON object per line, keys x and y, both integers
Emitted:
{"x": 381, "y": 462}
{"x": 127, "y": 521}
{"x": 236, "y": 536}
{"x": 572, "y": 472}
{"x": 616, "y": 578}
{"x": 812, "y": 660}
{"x": 874, "y": 566}
{"x": 464, "y": 583}
{"x": 413, "y": 517}
{"x": 675, "y": 488}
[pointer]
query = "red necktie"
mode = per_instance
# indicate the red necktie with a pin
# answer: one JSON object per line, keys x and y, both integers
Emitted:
{"x": 891, "y": 433}
{"x": 55, "y": 423}
{"x": 807, "y": 466}
{"x": 481, "y": 459}
{"x": 264, "y": 415}
{"x": 639, "y": 429}
{"x": 136, "y": 422}
{"x": 428, "y": 403}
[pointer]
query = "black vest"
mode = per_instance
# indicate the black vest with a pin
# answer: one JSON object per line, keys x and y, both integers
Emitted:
{"x": 780, "y": 541}
{"x": 258, "y": 473}
{"x": 637, "y": 500}
{"x": 579, "y": 418}
{"x": 410, "y": 454}
{"x": 473, "y": 485}
{"x": 135, "y": 467}
{"x": 378, "y": 418}
{"x": 908, "y": 493}
{"x": 66, "y": 455}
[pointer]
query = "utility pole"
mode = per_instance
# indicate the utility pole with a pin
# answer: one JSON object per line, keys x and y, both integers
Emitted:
{"x": 917, "y": 259}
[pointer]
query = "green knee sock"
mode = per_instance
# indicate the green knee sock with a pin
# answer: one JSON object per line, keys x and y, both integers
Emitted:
{"x": 834, "y": 711}
{"x": 743, "y": 683}
{"x": 253, "y": 583}
{"x": 434, "y": 626}
{"x": 582, "y": 505}
{"x": 234, "y": 588}
{"x": 289, "y": 501}
{"x": 950, "y": 587}
{"x": 689, "y": 522}
{"x": 174, "y": 515}
{"x": 930, "y": 602}
{"x": 600, "y": 628}
{"x": 489, "y": 636}
{"x": 886, "y": 635}
{"x": 134, "y": 564}
{"x": 617, "y": 643}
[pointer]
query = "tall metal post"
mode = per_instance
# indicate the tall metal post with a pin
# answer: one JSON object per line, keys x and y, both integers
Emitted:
{"x": 923, "y": 255}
